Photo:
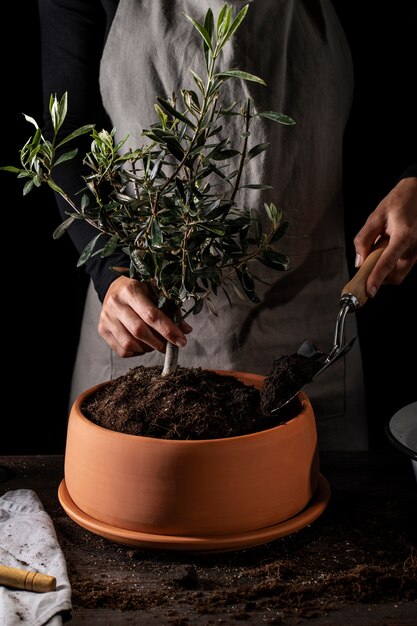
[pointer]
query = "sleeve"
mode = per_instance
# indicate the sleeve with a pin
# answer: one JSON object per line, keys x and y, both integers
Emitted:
{"x": 72, "y": 38}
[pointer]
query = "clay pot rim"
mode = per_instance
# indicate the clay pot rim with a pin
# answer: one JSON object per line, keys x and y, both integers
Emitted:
{"x": 305, "y": 402}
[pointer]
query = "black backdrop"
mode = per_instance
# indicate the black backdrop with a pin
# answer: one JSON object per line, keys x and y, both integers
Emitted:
{"x": 43, "y": 291}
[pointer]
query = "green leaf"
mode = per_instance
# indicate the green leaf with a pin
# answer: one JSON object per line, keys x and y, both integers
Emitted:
{"x": 217, "y": 230}
{"x": 256, "y": 186}
{"x": 35, "y": 141}
{"x": 274, "y": 259}
{"x": 140, "y": 263}
{"x": 66, "y": 157}
{"x": 188, "y": 279}
{"x": 220, "y": 20}
{"x": 62, "y": 228}
{"x": 228, "y": 110}
{"x": 280, "y": 231}
{"x": 162, "y": 116}
{"x": 80, "y": 131}
{"x": 48, "y": 150}
{"x": 157, "y": 166}
{"x": 227, "y": 20}
{"x": 11, "y": 168}
{"x": 180, "y": 186}
{"x": 173, "y": 111}
{"x": 62, "y": 110}
{"x": 156, "y": 234}
{"x": 121, "y": 143}
{"x": 242, "y": 75}
{"x": 203, "y": 32}
{"x": 277, "y": 117}
{"x": 85, "y": 201}
{"x": 209, "y": 26}
{"x": 224, "y": 154}
{"x": 110, "y": 246}
{"x": 28, "y": 187}
{"x": 170, "y": 271}
{"x": 217, "y": 208}
{"x": 236, "y": 23}
{"x": 253, "y": 152}
{"x": 191, "y": 101}
{"x": 247, "y": 282}
{"x": 175, "y": 148}
{"x": 271, "y": 211}
{"x": 215, "y": 131}
{"x": 88, "y": 251}
{"x": 30, "y": 119}
{"x": 55, "y": 187}
{"x": 55, "y": 112}
{"x": 198, "y": 306}
{"x": 198, "y": 81}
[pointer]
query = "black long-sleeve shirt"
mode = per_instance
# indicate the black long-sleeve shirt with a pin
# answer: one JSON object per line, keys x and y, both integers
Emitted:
{"x": 73, "y": 35}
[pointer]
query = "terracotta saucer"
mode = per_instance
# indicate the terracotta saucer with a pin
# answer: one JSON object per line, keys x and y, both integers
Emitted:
{"x": 221, "y": 542}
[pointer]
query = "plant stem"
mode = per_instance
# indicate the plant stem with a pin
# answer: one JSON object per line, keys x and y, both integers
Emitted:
{"x": 244, "y": 150}
{"x": 77, "y": 209}
{"x": 171, "y": 359}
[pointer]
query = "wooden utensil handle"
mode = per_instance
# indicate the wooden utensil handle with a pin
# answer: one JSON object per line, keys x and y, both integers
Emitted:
{"x": 25, "y": 579}
{"x": 357, "y": 285}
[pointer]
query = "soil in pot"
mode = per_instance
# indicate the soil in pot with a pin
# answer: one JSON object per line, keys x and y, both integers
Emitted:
{"x": 193, "y": 403}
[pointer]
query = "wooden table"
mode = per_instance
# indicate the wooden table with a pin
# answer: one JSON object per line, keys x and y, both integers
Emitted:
{"x": 355, "y": 565}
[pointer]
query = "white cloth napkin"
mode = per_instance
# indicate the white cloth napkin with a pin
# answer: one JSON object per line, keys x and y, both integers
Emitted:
{"x": 28, "y": 541}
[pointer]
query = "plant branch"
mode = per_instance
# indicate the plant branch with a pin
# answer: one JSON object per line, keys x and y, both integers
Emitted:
{"x": 244, "y": 151}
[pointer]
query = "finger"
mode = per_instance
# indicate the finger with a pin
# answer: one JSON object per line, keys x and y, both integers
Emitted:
{"x": 386, "y": 265}
{"x": 156, "y": 319}
{"x": 139, "y": 330}
{"x": 129, "y": 301}
{"x": 403, "y": 267}
{"x": 113, "y": 326}
{"x": 185, "y": 327}
{"x": 366, "y": 237}
{"x": 120, "y": 339}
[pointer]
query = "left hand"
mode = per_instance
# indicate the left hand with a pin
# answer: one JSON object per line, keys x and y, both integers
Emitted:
{"x": 395, "y": 218}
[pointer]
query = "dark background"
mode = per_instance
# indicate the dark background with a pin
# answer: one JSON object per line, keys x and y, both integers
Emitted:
{"x": 43, "y": 291}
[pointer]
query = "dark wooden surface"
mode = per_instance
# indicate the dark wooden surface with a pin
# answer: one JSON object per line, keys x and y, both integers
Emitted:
{"x": 370, "y": 523}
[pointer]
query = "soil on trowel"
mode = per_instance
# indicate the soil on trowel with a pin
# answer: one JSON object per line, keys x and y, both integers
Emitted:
{"x": 190, "y": 403}
{"x": 288, "y": 376}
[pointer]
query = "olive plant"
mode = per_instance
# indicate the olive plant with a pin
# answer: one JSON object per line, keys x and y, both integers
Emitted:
{"x": 172, "y": 205}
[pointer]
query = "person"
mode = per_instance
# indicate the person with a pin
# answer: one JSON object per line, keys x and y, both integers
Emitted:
{"x": 114, "y": 58}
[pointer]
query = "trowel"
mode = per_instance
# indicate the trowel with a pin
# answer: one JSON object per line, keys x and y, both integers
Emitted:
{"x": 353, "y": 296}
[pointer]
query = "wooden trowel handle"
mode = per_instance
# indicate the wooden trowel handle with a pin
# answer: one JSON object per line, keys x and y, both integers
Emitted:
{"x": 357, "y": 285}
{"x": 26, "y": 579}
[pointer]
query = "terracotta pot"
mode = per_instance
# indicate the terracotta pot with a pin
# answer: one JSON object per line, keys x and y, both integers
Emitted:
{"x": 192, "y": 488}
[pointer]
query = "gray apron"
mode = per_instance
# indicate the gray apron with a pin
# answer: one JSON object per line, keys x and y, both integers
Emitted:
{"x": 299, "y": 49}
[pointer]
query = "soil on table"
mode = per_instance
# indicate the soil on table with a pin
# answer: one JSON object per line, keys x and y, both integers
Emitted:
{"x": 193, "y": 403}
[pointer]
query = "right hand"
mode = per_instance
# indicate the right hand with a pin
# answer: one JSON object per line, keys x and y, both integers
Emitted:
{"x": 132, "y": 324}
{"x": 394, "y": 218}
